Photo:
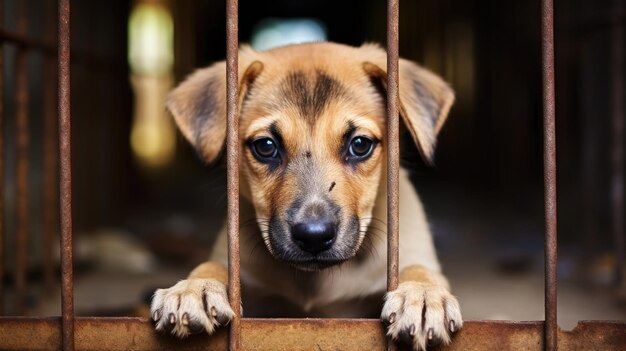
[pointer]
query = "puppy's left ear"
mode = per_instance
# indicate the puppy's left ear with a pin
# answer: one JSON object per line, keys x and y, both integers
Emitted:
{"x": 425, "y": 100}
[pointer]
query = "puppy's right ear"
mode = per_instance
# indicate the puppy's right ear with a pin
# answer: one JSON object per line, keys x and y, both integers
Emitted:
{"x": 199, "y": 105}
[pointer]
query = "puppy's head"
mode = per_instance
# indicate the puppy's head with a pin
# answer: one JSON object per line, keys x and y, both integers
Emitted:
{"x": 312, "y": 131}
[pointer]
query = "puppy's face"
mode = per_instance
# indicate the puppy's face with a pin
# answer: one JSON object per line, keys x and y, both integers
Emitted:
{"x": 312, "y": 131}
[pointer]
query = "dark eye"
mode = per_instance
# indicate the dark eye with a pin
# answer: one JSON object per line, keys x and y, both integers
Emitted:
{"x": 265, "y": 149}
{"x": 361, "y": 147}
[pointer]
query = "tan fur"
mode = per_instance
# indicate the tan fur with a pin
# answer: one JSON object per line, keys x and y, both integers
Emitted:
{"x": 342, "y": 82}
{"x": 210, "y": 270}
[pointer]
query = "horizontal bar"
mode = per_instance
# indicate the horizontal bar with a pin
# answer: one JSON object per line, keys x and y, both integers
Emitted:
{"x": 137, "y": 334}
{"x": 26, "y": 41}
{"x": 85, "y": 57}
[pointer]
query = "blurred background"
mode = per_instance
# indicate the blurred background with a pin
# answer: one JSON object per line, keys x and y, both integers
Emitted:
{"x": 146, "y": 210}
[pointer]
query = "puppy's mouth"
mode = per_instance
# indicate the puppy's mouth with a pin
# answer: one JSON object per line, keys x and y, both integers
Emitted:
{"x": 314, "y": 245}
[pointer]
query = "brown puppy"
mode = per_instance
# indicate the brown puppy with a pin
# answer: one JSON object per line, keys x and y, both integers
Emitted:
{"x": 312, "y": 131}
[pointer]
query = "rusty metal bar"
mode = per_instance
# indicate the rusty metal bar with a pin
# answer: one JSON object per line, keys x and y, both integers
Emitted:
{"x": 393, "y": 148}
{"x": 393, "y": 145}
{"x": 549, "y": 164}
{"x": 1, "y": 164}
{"x": 21, "y": 39}
{"x": 138, "y": 334}
{"x": 22, "y": 167}
{"x": 65, "y": 184}
{"x": 232, "y": 168}
{"x": 617, "y": 145}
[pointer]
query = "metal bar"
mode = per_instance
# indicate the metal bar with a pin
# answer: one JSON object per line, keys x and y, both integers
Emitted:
{"x": 21, "y": 39}
{"x": 393, "y": 145}
{"x": 65, "y": 184}
{"x": 617, "y": 147}
{"x": 50, "y": 48}
{"x": 50, "y": 166}
{"x": 232, "y": 167}
{"x": 298, "y": 334}
{"x": 549, "y": 164}
{"x": 22, "y": 167}
{"x": 1, "y": 164}
{"x": 393, "y": 148}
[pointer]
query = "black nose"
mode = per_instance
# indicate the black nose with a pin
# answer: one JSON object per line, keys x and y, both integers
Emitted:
{"x": 314, "y": 236}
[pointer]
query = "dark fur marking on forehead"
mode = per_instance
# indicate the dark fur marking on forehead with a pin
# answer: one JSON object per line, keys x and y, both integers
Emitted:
{"x": 310, "y": 94}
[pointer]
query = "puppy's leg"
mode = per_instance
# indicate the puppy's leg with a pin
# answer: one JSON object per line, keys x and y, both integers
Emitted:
{"x": 198, "y": 303}
{"x": 421, "y": 311}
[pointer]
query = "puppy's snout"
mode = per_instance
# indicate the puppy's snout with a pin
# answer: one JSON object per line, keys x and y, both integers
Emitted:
{"x": 314, "y": 236}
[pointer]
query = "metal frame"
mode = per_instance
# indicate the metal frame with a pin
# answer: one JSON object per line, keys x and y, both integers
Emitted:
{"x": 18, "y": 333}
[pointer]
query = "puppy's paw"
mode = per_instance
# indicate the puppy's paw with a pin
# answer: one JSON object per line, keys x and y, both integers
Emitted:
{"x": 421, "y": 314}
{"x": 190, "y": 307}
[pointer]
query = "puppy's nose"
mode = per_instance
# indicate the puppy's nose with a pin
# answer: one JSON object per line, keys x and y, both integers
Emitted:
{"x": 314, "y": 236}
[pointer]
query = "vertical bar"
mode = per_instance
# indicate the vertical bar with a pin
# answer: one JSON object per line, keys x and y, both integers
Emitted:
{"x": 1, "y": 163}
{"x": 617, "y": 141}
{"x": 393, "y": 147}
{"x": 549, "y": 164}
{"x": 22, "y": 167}
{"x": 50, "y": 167}
{"x": 65, "y": 184}
{"x": 232, "y": 167}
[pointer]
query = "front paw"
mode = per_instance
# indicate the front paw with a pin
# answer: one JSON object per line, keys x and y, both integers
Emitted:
{"x": 421, "y": 314}
{"x": 190, "y": 307}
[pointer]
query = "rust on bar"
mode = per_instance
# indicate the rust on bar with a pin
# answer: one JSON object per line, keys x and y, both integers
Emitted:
{"x": 138, "y": 334}
{"x": 549, "y": 164}
{"x": 1, "y": 164}
{"x": 393, "y": 148}
{"x": 65, "y": 183}
{"x": 393, "y": 145}
{"x": 232, "y": 167}
{"x": 21, "y": 39}
{"x": 22, "y": 165}
{"x": 50, "y": 167}
{"x": 617, "y": 144}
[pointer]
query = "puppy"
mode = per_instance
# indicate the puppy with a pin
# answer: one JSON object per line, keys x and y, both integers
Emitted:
{"x": 313, "y": 184}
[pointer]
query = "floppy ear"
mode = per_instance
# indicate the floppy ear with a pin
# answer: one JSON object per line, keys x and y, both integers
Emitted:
{"x": 198, "y": 104}
{"x": 425, "y": 99}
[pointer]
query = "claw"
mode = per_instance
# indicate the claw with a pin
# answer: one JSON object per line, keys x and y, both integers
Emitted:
{"x": 392, "y": 318}
{"x": 213, "y": 311}
{"x": 452, "y": 326}
{"x": 172, "y": 318}
{"x": 412, "y": 330}
{"x": 430, "y": 334}
{"x": 185, "y": 319}
{"x": 156, "y": 315}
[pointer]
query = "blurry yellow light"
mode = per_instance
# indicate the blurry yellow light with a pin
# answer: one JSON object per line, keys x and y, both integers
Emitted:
{"x": 150, "y": 40}
{"x": 151, "y": 59}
